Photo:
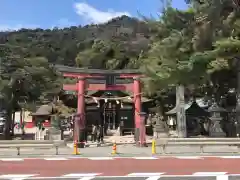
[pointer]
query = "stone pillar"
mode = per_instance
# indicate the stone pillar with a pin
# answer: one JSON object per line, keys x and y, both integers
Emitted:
{"x": 181, "y": 117}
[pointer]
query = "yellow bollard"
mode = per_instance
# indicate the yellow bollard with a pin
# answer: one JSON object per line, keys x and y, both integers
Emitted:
{"x": 153, "y": 147}
{"x": 114, "y": 148}
{"x": 75, "y": 149}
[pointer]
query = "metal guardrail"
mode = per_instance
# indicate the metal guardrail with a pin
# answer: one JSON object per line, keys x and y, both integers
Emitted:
{"x": 18, "y": 144}
{"x": 201, "y": 142}
{"x": 199, "y": 139}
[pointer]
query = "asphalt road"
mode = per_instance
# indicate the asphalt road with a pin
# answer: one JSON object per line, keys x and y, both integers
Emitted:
{"x": 121, "y": 166}
{"x": 142, "y": 178}
{"x": 140, "y": 168}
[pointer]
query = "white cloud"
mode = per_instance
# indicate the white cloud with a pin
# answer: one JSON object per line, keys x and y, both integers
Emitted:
{"x": 93, "y": 15}
{"x": 4, "y": 27}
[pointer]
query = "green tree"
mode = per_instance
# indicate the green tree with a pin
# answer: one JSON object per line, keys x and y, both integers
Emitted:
{"x": 191, "y": 47}
{"x": 167, "y": 62}
{"x": 25, "y": 79}
{"x": 216, "y": 42}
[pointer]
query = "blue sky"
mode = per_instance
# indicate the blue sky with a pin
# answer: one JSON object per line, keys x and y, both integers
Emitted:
{"x": 61, "y": 13}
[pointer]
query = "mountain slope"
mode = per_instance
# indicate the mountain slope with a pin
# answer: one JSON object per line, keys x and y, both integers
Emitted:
{"x": 61, "y": 46}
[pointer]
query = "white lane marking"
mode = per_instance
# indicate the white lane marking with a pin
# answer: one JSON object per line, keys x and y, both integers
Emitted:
{"x": 77, "y": 157}
{"x": 209, "y": 173}
{"x": 16, "y": 176}
{"x": 145, "y": 174}
{"x": 154, "y": 178}
{"x": 55, "y": 159}
{"x": 145, "y": 158}
{"x": 101, "y": 158}
{"x": 222, "y": 177}
{"x": 230, "y": 157}
{"x": 81, "y": 175}
{"x": 107, "y": 177}
{"x": 87, "y": 178}
{"x": 11, "y": 159}
{"x": 188, "y": 157}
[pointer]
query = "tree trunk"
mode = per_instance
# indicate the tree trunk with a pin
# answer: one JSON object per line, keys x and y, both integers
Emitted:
{"x": 8, "y": 125}
{"x": 22, "y": 123}
{"x": 13, "y": 123}
{"x": 237, "y": 121}
{"x": 160, "y": 107}
{"x": 62, "y": 134}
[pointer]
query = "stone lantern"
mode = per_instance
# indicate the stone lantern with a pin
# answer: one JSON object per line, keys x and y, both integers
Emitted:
{"x": 215, "y": 128}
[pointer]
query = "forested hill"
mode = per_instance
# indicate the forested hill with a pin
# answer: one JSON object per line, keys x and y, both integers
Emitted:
{"x": 113, "y": 45}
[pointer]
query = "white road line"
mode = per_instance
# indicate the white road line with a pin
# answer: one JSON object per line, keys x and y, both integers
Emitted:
{"x": 80, "y": 175}
{"x": 46, "y": 177}
{"x": 188, "y": 157}
{"x": 229, "y": 157}
{"x": 222, "y": 177}
{"x": 55, "y": 159}
{"x": 209, "y": 173}
{"x": 145, "y": 158}
{"x": 154, "y": 178}
{"x": 11, "y": 159}
{"x": 77, "y": 157}
{"x": 101, "y": 158}
{"x": 87, "y": 178}
{"x": 145, "y": 174}
{"x": 16, "y": 176}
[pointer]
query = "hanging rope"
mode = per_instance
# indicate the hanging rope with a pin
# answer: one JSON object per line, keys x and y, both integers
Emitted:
{"x": 96, "y": 99}
{"x": 111, "y": 98}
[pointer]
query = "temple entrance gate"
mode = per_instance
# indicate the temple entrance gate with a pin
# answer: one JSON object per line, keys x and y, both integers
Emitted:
{"x": 94, "y": 79}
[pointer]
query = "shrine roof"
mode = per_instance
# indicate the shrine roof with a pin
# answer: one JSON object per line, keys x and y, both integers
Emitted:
{"x": 43, "y": 110}
{"x": 190, "y": 106}
{"x": 75, "y": 70}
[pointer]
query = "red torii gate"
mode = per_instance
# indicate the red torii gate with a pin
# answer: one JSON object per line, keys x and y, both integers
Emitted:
{"x": 82, "y": 85}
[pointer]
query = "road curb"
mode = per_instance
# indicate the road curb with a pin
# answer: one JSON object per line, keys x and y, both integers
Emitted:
{"x": 107, "y": 144}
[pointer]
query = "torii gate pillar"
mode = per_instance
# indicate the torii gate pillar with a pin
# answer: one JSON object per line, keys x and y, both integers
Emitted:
{"x": 81, "y": 91}
{"x": 80, "y": 120}
{"x": 140, "y": 132}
